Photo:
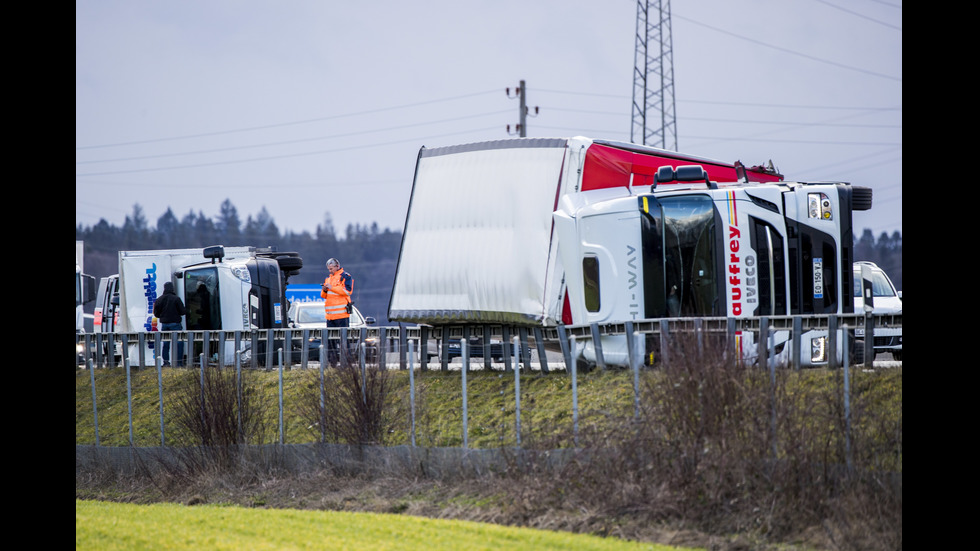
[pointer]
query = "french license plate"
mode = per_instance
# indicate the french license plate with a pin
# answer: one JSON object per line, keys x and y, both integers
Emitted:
{"x": 818, "y": 278}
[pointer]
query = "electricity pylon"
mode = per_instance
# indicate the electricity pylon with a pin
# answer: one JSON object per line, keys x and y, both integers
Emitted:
{"x": 654, "y": 114}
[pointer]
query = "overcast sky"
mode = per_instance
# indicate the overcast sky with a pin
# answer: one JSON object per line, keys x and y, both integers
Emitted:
{"x": 313, "y": 109}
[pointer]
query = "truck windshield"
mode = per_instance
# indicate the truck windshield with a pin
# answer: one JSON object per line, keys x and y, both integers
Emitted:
{"x": 679, "y": 250}
{"x": 201, "y": 299}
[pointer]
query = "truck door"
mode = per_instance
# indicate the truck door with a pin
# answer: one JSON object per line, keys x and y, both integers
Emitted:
{"x": 202, "y": 299}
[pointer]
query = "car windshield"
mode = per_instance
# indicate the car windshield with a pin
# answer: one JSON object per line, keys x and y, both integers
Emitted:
{"x": 880, "y": 285}
{"x": 314, "y": 313}
{"x": 311, "y": 314}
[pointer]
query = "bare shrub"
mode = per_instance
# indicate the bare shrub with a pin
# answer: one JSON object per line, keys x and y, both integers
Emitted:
{"x": 728, "y": 448}
{"x": 212, "y": 412}
{"x": 350, "y": 405}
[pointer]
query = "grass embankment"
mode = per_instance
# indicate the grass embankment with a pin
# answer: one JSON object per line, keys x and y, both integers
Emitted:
{"x": 545, "y": 405}
{"x": 106, "y": 526}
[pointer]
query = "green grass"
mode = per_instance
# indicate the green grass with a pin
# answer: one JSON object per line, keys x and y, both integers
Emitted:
{"x": 106, "y": 526}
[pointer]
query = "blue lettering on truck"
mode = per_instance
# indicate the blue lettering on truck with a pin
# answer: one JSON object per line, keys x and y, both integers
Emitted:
{"x": 150, "y": 292}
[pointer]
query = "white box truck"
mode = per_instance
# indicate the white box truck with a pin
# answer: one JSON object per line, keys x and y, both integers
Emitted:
{"x": 223, "y": 289}
{"x": 576, "y": 231}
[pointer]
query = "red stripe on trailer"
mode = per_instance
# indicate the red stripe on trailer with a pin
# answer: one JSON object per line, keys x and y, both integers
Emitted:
{"x": 608, "y": 167}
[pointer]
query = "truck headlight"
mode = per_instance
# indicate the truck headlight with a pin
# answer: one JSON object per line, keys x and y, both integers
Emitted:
{"x": 819, "y": 206}
{"x": 818, "y": 349}
{"x": 241, "y": 273}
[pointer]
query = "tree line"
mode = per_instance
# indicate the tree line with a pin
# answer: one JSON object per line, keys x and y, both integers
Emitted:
{"x": 367, "y": 252}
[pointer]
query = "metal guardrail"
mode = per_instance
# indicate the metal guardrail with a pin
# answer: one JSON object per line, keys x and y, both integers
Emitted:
{"x": 270, "y": 348}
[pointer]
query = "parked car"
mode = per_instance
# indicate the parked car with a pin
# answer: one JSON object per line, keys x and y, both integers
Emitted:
{"x": 311, "y": 315}
{"x": 887, "y": 300}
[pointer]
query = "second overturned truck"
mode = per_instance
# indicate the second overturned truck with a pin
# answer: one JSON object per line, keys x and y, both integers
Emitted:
{"x": 223, "y": 289}
{"x": 575, "y": 231}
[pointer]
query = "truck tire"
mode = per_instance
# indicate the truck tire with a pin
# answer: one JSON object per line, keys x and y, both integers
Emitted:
{"x": 861, "y": 198}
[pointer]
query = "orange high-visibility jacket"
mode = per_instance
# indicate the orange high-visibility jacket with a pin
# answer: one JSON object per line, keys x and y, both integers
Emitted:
{"x": 337, "y": 293}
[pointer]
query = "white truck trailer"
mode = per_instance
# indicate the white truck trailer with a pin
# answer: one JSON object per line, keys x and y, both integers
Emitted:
{"x": 537, "y": 232}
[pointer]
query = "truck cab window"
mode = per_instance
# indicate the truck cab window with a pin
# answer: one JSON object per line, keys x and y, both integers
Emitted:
{"x": 590, "y": 273}
{"x": 201, "y": 299}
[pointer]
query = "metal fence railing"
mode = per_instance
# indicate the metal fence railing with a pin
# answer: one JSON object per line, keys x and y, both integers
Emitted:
{"x": 539, "y": 348}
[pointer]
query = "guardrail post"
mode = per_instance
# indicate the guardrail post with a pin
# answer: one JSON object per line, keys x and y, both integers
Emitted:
{"x": 832, "y": 342}
{"x": 323, "y": 392}
{"x": 270, "y": 345}
{"x": 848, "y": 458}
{"x": 204, "y": 420}
{"x": 732, "y": 341}
{"x": 141, "y": 355}
{"x": 665, "y": 341}
{"x": 796, "y": 358}
{"x": 487, "y": 348}
{"x": 424, "y": 337}
{"x": 525, "y": 349}
{"x": 566, "y": 352}
{"x": 465, "y": 351}
{"x": 282, "y": 434}
{"x": 444, "y": 349}
{"x": 600, "y": 360}
{"x": 129, "y": 396}
{"x": 634, "y": 366}
{"x": 762, "y": 346}
{"x": 510, "y": 354}
{"x": 869, "y": 339}
{"x": 221, "y": 349}
{"x": 517, "y": 391}
{"x": 95, "y": 407}
{"x": 542, "y": 354}
{"x": 238, "y": 386}
{"x": 699, "y": 336}
{"x": 159, "y": 366}
{"x": 411, "y": 387}
{"x": 361, "y": 361}
{"x": 403, "y": 346}
{"x": 382, "y": 346}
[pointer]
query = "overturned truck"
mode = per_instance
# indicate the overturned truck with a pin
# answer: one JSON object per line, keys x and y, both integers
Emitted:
{"x": 575, "y": 231}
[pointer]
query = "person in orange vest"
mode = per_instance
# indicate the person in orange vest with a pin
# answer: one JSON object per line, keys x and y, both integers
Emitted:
{"x": 336, "y": 292}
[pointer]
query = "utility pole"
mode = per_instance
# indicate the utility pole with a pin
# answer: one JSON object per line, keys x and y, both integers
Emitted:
{"x": 654, "y": 114}
{"x": 521, "y": 93}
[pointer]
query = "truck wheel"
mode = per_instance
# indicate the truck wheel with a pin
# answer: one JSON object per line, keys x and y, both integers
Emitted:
{"x": 897, "y": 355}
{"x": 861, "y": 198}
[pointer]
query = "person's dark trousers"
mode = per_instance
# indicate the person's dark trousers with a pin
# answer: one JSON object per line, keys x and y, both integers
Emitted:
{"x": 333, "y": 345}
{"x": 166, "y": 343}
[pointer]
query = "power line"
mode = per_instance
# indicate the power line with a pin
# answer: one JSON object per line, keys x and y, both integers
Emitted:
{"x": 286, "y": 142}
{"x": 792, "y": 52}
{"x": 278, "y": 125}
{"x": 856, "y": 14}
{"x": 286, "y": 156}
